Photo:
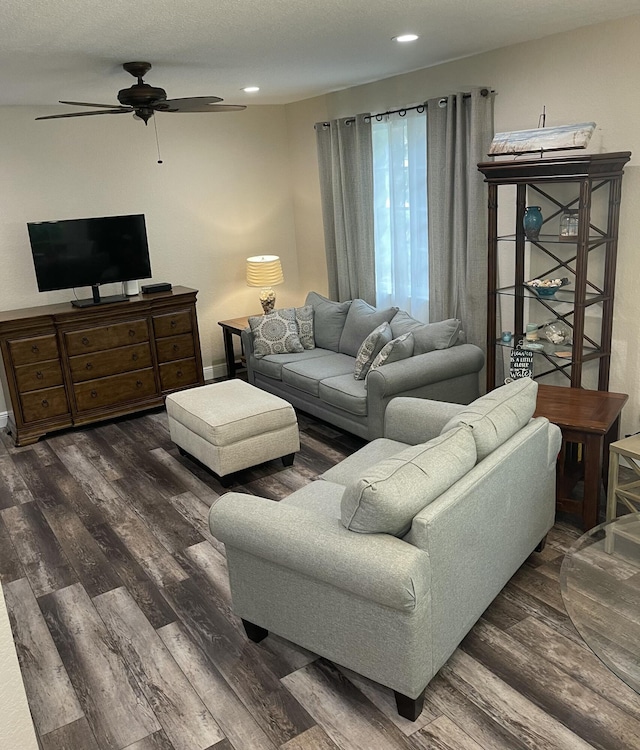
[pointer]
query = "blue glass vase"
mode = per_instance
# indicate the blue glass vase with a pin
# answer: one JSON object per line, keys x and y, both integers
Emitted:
{"x": 532, "y": 222}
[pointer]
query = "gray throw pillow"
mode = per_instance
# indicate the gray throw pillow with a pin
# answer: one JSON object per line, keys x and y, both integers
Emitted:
{"x": 369, "y": 349}
{"x": 304, "y": 321}
{"x": 498, "y": 415}
{"x": 394, "y": 351}
{"x": 361, "y": 320}
{"x": 328, "y": 320}
{"x": 427, "y": 336}
{"x": 275, "y": 333}
{"x": 388, "y": 495}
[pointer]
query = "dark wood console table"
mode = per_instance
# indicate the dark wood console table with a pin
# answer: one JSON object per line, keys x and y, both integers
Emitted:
{"x": 230, "y": 328}
{"x": 65, "y": 366}
{"x": 590, "y": 419}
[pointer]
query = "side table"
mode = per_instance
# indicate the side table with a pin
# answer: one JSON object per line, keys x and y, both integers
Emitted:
{"x": 230, "y": 328}
{"x": 589, "y": 418}
{"x": 628, "y": 493}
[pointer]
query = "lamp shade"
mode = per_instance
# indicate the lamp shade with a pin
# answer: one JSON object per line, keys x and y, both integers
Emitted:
{"x": 264, "y": 271}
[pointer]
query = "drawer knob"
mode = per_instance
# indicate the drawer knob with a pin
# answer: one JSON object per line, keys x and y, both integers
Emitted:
{"x": 94, "y": 394}
{"x": 138, "y": 383}
{"x": 134, "y": 357}
{"x": 39, "y": 375}
{"x": 174, "y": 323}
{"x": 35, "y": 349}
{"x": 85, "y": 341}
{"x": 88, "y": 366}
{"x": 176, "y": 347}
{"x": 45, "y": 403}
{"x": 179, "y": 374}
{"x": 132, "y": 332}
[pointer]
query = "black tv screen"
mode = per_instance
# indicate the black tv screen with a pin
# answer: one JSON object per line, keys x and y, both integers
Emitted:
{"x": 89, "y": 252}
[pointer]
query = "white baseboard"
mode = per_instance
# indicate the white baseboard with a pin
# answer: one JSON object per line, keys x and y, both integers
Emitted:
{"x": 210, "y": 373}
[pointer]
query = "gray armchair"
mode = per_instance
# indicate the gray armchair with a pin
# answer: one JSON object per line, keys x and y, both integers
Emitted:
{"x": 394, "y": 607}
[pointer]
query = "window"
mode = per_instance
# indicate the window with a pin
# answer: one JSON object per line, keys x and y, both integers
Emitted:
{"x": 400, "y": 212}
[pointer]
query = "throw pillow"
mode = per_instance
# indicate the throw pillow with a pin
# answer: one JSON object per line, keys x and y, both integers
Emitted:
{"x": 427, "y": 336}
{"x": 395, "y": 350}
{"x": 362, "y": 318}
{"x": 275, "y": 333}
{"x": 385, "y": 499}
{"x": 328, "y": 320}
{"x": 498, "y": 415}
{"x": 369, "y": 350}
{"x": 304, "y": 320}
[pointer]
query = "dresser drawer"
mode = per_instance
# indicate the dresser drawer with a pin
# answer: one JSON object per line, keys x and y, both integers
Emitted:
{"x": 110, "y": 362}
{"x": 41, "y": 375}
{"x": 43, "y": 404}
{"x": 175, "y": 347}
{"x": 36, "y": 349}
{"x": 178, "y": 374}
{"x": 118, "y": 389}
{"x": 172, "y": 324}
{"x": 106, "y": 337}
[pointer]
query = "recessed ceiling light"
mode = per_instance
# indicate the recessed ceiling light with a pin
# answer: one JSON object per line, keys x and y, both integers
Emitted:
{"x": 405, "y": 38}
{"x": 251, "y": 89}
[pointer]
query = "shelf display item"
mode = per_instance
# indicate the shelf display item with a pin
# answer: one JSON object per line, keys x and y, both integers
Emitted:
{"x": 532, "y": 222}
{"x": 546, "y": 287}
{"x": 557, "y": 333}
{"x": 569, "y": 225}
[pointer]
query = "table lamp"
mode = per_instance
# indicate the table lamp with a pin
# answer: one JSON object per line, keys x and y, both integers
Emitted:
{"x": 265, "y": 271}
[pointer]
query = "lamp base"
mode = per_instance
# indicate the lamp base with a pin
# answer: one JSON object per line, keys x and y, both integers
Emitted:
{"x": 267, "y": 300}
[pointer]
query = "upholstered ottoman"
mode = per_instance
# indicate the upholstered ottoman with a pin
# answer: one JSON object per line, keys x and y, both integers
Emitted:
{"x": 232, "y": 425}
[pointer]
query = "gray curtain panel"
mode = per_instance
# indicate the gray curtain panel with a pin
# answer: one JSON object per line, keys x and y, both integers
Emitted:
{"x": 346, "y": 185}
{"x": 459, "y": 133}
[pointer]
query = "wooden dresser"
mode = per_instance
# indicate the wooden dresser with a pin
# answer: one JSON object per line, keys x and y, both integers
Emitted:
{"x": 65, "y": 366}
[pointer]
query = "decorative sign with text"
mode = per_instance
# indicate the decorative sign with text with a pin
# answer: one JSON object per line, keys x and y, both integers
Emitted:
{"x": 521, "y": 364}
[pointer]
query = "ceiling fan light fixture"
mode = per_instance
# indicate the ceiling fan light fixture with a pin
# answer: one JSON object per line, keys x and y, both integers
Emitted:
{"x": 251, "y": 89}
{"x": 402, "y": 38}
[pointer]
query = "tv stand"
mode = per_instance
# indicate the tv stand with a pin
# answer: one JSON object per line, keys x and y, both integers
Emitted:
{"x": 96, "y": 299}
{"x": 64, "y": 365}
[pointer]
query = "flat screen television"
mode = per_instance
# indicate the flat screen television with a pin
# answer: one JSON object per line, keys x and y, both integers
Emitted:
{"x": 89, "y": 252}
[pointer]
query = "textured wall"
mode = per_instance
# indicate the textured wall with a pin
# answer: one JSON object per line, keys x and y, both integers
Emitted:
{"x": 16, "y": 727}
{"x": 588, "y": 74}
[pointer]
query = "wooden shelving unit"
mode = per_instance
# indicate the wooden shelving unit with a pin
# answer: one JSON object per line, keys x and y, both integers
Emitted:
{"x": 590, "y": 184}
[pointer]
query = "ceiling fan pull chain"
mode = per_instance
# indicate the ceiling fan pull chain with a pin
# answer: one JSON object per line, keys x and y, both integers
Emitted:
{"x": 155, "y": 125}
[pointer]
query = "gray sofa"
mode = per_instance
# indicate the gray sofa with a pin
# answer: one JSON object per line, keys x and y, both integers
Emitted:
{"x": 321, "y": 381}
{"x": 385, "y": 562}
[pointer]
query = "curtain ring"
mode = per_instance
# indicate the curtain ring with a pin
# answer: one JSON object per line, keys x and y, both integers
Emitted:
{"x": 442, "y": 103}
{"x": 402, "y": 112}
{"x": 379, "y": 118}
{"x": 421, "y": 108}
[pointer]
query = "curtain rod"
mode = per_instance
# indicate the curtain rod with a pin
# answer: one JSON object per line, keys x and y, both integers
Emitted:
{"x": 403, "y": 110}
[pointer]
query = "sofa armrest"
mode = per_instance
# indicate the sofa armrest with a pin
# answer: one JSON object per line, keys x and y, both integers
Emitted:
{"x": 416, "y": 420}
{"x": 378, "y": 567}
{"x": 424, "y": 369}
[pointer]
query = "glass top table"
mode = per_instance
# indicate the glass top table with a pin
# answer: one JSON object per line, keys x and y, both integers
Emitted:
{"x": 600, "y": 583}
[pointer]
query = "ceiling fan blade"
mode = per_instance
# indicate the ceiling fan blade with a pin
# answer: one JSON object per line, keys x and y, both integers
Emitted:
{"x": 87, "y": 104}
{"x": 195, "y": 104}
{"x": 121, "y": 111}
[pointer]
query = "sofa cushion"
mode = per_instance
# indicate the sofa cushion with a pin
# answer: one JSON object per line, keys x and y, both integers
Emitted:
{"x": 498, "y": 415}
{"x": 427, "y": 336}
{"x": 304, "y": 321}
{"x": 351, "y": 467}
{"x": 345, "y": 393}
{"x": 306, "y": 374}
{"x": 369, "y": 349}
{"x": 385, "y": 499}
{"x": 362, "y": 318}
{"x": 394, "y": 351}
{"x": 275, "y": 333}
{"x": 328, "y": 320}
{"x": 271, "y": 364}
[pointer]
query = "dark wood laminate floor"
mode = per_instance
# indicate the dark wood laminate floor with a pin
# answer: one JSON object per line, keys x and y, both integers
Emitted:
{"x": 121, "y": 612}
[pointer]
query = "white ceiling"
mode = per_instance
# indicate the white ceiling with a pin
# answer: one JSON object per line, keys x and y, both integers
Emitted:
{"x": 292, "y": 49}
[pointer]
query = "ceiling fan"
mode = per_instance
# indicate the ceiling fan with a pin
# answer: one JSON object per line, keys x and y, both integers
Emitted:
{"x": 143, "y": 100}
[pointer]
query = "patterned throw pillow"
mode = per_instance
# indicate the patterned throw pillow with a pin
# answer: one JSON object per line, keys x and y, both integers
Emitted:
{"x": 399, "y": 348}
{"x": 275, "y": 333}
{"x": 369, "y": 349}
{"x": 304, "y": 319}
